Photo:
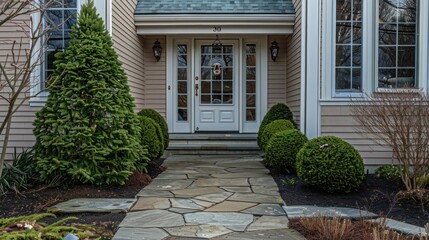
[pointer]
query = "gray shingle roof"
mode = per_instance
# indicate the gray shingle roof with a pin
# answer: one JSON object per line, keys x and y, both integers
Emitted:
{"x": 214, "y": 7}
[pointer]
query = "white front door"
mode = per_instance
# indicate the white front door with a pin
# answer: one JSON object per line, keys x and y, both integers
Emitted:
{"x": 216, "y": 86}
{"x": 216, "y": 95}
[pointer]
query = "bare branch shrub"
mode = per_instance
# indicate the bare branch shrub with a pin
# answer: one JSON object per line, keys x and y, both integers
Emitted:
{"x": 23, "y": 57}
{"x": 400, "y": 120}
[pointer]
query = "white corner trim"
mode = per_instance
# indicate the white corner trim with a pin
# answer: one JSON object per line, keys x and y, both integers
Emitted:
{"x": 312, "y": 69}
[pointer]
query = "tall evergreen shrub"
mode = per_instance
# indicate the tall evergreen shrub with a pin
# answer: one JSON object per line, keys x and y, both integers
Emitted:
{"x": 87, "y": 131}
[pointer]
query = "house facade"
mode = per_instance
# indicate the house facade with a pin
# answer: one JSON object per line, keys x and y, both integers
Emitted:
{"x": 217, "y": 66}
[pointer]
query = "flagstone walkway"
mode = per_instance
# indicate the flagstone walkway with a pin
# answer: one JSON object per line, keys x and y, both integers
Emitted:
{"x": 209, "y": 197}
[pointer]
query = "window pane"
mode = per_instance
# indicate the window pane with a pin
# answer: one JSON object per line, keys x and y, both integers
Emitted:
{"x": 250, "y": 48}
{"x": 182, "y": 60}
{"x": 182, "y": 101}
{"x": 387, "y": 34}
{"x": 205, "y": 87}
{"x": 407, "y": 10}
{"x": 251, "y": 115}
{"x": 69, "y": 18}
{"x": 343, "y": 55}
{"x": 357, "y": 55}
{"x": 70, "y": 3}
{"x": 206, "y": 73}
{"x": 251, "y": 60}
{"x": 228, "y": 60}
{"x": 386, "y": 56}
{"x": 357, "y": 79}
{"x": 251, "y": 73}
{"x": 357, "y": 10}
{"x": 387, "y": 10}
{"x": 407, "y": 34}
{"x": 406, "y": 78}
{"x": 227, "y": 99}
{"x": 406, "y": 57}
{"x": 182, "y": 74}
{"x": 205, "y": 99}
{"x": 387, "y": 78}
{"x": 343, "y": 81}
{"x": 227, "y": 87}
{"x": 344, "y": 9}
{"x": 250, "y": 87}
{"x": 251, "y": 100}
{"x": 182, "y": 87}
{"x": 182, "y": 114}
{"x": 182, "y": 49}
{"x": 344, "y": 32}
{"x": 227, "y": 73}
{"x": 216, "y": 87}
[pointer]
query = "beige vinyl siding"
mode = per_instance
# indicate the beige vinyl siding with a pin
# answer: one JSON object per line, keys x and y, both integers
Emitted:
{"x": 155, "y": 78}
{"x": 338, "y": 121}
{"x": 277, "y": 72}
{"x": 129, "y": 47}
{"x": 293, "y": 62}
{"x": 21, "y": 135}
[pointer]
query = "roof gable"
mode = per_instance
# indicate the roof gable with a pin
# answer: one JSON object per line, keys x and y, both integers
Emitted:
{"x": 149, "y": 7}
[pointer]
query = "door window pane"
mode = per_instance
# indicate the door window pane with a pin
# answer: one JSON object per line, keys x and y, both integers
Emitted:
{"x": 251, "y": 79}
{"x": 182, "y": 82}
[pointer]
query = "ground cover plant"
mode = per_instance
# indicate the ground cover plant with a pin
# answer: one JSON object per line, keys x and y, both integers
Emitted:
{"x": 87, "y": 131}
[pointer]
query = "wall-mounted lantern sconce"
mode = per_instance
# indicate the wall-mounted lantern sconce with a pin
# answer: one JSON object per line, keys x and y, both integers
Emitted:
{"x": 157, "y": 50}
{"x": 274, "y": 50}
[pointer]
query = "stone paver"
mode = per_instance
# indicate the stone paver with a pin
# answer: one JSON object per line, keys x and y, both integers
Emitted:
{"x": 152, "y": 218}
{"x": 168, "y": 185}
{"x": 233, "y": 221}
{"x": 193, "y": 192}
{"x": 266, "y": 210}
{"x": 263, "y": 181}
{"x": 202, "y": 231}
{"x": 215, "y": 197}
{"x": 254, "y": 198}
{"x": 154, "y": 193}
{"x": 93, "y": 205}
{"x": 217, "y": 182}
{"x": 146, "y": 203}
{"x": 283, "y": 234}
{"x": 230, "y": 206}
{"x": 237, "y": 189}
{"x": 269, "y": 222}
{"x": 313, "y": 211}
{"x": 140, "y": 233}
{"x": 402, "y": 227}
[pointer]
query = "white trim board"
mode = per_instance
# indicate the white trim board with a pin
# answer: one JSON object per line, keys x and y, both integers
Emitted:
{"x": 212, "y": 24}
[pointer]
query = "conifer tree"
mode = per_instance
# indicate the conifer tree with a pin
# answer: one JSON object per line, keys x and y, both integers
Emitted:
{"x": 88, "y": 132}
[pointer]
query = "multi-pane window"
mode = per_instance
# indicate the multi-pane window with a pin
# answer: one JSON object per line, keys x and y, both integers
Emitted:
{"x": 397, "y": 43}
{"x": 251, "y": 82}
{"x": 348, "y": 40}
{"x": 59, "y": 19}
{"x": 182, "y": 82}
{"x": 217, "y": 89}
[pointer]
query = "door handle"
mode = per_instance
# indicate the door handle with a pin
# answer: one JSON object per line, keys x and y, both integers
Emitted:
{"x": 196, "y": 89}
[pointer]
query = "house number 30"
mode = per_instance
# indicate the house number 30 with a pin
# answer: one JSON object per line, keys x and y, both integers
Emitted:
{"x": 217, "y": 29}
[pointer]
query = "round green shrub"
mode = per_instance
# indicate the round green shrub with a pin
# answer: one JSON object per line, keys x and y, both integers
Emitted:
{"x": 330, "y": 164}
{"x": 282, "y": 148}
{"x": 276, "y": 112}
{"x": 272, "y": 128}
{"x": 150, "y": 113}
{"x": 151, "y": 137}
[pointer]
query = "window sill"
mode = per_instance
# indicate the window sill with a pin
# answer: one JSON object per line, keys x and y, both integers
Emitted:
{"x": 38, "y": 101}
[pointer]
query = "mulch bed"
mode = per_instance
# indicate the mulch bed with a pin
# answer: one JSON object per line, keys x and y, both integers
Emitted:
{"x": 39, "y": 198}
{"x": 375, "y": 195}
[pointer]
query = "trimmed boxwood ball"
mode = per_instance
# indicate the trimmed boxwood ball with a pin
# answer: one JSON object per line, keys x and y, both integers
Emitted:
{"x": 150, "y": 113}
{"x": 330, "y": 164}
{"x": 276, "y": 112}
{"x": 282, "y": 149}
{"x": 151, "y": 137}
{"x": 273, "y": 128}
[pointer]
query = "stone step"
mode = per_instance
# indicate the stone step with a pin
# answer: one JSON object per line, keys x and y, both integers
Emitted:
{"x": 213, "y": 143}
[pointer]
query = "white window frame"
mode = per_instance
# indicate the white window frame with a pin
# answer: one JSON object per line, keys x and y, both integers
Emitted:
{"x": 369, "y": 50}
{"x": 40, "y": 97}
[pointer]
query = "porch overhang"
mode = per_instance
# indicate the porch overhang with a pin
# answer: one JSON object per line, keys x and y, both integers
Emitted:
{"x": 174, "y": 24}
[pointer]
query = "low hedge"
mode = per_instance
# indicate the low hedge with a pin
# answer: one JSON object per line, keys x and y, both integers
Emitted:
{"x": 150, "y": 113}
{"x": 330, "y": 164}
{"x": 272, "y": 128}
{"x": 282, "y": 149}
